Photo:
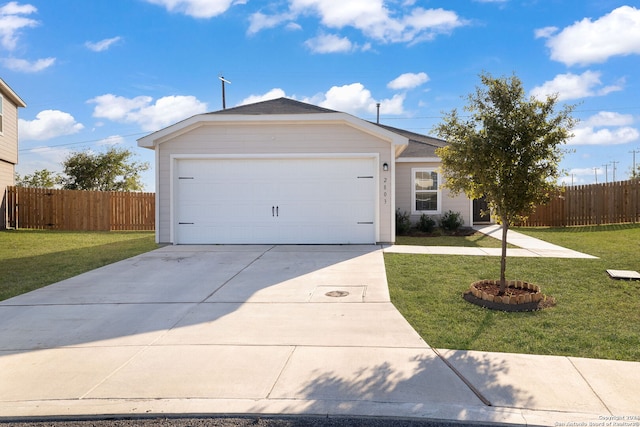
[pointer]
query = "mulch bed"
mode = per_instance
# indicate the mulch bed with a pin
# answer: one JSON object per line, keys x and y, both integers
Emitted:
{"x": 494, "y": 289}
{"x": 438, "y": 232}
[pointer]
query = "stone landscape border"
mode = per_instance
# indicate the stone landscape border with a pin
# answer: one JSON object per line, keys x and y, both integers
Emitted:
{"x": 531, "y": 300}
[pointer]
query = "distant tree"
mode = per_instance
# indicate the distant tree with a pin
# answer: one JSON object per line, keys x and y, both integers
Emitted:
{"x": 507, "y": 149}
{"x": 113, "y": 170}
{"x": 42, "y": 178}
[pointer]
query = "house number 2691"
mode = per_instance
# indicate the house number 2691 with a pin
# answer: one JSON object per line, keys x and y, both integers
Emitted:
{"x": 385, "y": 190}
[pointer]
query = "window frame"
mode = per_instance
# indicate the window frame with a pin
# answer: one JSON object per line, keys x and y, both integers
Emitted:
{"x": 414, "y": 192}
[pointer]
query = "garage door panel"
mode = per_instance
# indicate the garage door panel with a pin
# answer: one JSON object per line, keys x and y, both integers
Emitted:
{"x": 275, "y": 201}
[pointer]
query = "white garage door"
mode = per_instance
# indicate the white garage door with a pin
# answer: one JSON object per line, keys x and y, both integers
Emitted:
{"x": 244, "y": 201}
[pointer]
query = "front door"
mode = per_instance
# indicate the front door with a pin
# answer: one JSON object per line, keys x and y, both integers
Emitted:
{"x": 479, "y": 206}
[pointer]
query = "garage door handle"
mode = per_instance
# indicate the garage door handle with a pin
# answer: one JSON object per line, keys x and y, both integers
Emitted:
{"x": 277, "y": 209}
{"x": 273, "y": 210}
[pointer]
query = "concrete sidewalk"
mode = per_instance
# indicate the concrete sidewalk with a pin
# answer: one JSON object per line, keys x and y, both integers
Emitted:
{"x": 271, "y": 330}
{"x": 527, "y": 247}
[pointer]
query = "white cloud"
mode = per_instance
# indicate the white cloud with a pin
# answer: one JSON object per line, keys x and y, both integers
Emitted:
{"x": 546, "y": 32}
{"x": 274, "y": 93}
{"x": 117, "y": 108}
{"x": 12, "y": 20}
{"x": 111, "y": 140}
{"x": 591, "y": 136}
{"x": 426, "y": 24}
{"x": 609, "y": 118}
{"x": 356, "y": 99}
{"x": 102, "y": 45}
{"x": 259, "y": 21}
{"x": 605, "y": 128}
{"x": 149, "y": 116}
{"x": 22, "y": 65}
{"x": 581, "y": 171}
{"x": 408, "y": 81}
{"x": 196, "y": 8}
{"x": 385, "y": 22}
{"x": 39, "y": 158}
{"x": 329, "y": 43}
{"x": 588, "y": 42}
{"x": 48, "y": 124}
{"x": 574, "y": 86}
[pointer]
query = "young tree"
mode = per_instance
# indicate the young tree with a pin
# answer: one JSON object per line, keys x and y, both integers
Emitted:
{"x": 42, "y": 178}
{"x": 112, "y": 170}
{"x": 507, "y": 149}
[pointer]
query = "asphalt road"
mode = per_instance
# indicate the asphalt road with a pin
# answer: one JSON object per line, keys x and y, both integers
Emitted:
{"x": 233, "y": 422}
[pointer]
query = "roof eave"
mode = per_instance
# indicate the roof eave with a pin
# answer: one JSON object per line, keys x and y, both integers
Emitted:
{"x": 9, "y": 93}
{"x": 155, "y": 138}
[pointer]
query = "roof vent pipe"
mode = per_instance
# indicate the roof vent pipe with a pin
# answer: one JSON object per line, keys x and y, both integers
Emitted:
{"x": 378, "y": 115}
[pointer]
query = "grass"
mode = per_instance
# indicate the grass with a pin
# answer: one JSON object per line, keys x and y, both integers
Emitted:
{"x": 475, "y": 240}
{"x": 31, "y": 259}
{"x": 596, "y": 317}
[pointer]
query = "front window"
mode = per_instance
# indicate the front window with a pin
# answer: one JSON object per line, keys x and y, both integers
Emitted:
{"x": 426, "y": 191}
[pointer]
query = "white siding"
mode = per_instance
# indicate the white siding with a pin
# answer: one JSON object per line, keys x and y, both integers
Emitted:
{"x": 270, "y": 138}
{"x": 404, "y": 202}
{"x": 9, "y": 135}
{"x": 8, "y": 152}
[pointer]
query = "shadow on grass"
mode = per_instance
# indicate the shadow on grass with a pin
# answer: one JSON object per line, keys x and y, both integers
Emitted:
{"x": 477, "y": 240}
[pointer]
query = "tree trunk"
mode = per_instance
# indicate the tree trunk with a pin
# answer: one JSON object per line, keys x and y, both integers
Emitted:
{"x": 503, "y": 257}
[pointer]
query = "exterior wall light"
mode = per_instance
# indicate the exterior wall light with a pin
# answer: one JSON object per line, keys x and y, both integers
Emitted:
{"x": 385, "y": 167}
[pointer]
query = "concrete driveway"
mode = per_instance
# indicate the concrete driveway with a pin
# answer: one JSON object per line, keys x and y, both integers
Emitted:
{"x": 265, "y": 330}
{"x": 231, "y": 329}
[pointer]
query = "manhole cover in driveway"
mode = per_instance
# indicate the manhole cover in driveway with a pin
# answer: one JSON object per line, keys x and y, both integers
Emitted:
{"x": 337, "y": 294}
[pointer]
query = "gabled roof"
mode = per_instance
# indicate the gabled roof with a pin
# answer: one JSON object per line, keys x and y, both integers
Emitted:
{"x": 419, "y": 145}
{"x": 275, "y": 106}
{"x": 274, "y": 111}
{"x": 9, "y": 93}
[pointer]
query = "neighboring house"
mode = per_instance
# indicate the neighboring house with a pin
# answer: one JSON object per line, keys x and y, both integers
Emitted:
{"x": 287, "y": 172}
{"x": 9, "y": 103}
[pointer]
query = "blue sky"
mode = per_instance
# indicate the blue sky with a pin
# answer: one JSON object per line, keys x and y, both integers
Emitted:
{"x": 99, "y": 73}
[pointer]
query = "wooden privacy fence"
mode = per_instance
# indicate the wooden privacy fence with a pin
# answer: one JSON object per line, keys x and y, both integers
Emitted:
{"x": 595, "y": 204}
{"x": 46, "y": 208}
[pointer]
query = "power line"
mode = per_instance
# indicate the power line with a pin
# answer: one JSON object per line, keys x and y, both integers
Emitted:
{"x": 86, "y": 141}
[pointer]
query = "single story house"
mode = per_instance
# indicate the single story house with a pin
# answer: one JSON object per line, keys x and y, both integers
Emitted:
{"x": 9, "y": 104}
{"x": 288, "y": 172}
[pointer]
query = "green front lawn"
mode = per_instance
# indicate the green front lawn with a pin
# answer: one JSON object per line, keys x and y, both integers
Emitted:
{"x": 595, "y": 317}
{"x": 475, "y": 240}
{"x": 31, "y": 259}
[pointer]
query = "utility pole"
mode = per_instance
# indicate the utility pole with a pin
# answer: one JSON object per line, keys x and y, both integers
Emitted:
{"x": 614, "y": 170}
{"x": 606, "y": 172}
{"x": 634, "y": 174}
{"x": 595, "y": 173}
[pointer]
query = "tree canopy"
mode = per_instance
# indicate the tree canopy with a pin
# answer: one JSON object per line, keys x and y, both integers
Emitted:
{"x": 42, "y": 178}
{"x": 112, "y": 170}
{"x": 507, "y": 149}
